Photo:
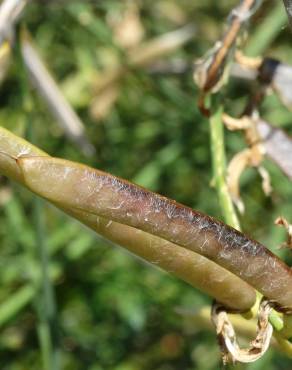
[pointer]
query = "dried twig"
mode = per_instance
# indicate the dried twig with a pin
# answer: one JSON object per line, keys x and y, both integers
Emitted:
{"x": 210, "y": 70}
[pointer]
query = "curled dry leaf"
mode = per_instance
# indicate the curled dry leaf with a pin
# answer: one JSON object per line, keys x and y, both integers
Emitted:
{"x": 242, "y": 160}
{"x": 248, "y": 62}
{"x": 231, "y": 352}
{"x": 235, "y": 168}
{"x": 266, "y": 180}
{"x": 234, "y": 124}
{"x": 250, "y": 157}
{"x": 79, "y": 187}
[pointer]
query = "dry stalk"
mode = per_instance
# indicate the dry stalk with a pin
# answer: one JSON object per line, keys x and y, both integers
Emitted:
{"x": 209, "y": 70}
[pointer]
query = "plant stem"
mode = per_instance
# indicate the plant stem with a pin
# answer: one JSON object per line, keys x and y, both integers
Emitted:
{"x": 267, "y": 31}
{"x": 47, "y": 328}
{"x": 219, "y": 166}
{"x": 45, "y": 305}
{"x": 227, "y": 208}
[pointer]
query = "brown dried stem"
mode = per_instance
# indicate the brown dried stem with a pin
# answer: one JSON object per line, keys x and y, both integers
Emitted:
{"x": 216, "y": 66}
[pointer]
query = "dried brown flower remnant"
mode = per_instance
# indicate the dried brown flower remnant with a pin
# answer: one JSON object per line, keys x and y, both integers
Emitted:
{"x": 249, "y": 157}
{"x": 230, "y": 350}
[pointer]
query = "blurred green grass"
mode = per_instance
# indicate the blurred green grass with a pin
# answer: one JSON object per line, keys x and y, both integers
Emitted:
{"x": 114, "y": 310}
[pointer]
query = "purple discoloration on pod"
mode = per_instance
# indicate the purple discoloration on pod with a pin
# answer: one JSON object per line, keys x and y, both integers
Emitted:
{"x": 197, "y": 270}
{"x": 82, "y": 188}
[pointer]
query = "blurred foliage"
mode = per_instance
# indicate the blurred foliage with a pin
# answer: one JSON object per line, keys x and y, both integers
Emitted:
{"x": 115, "y": 311}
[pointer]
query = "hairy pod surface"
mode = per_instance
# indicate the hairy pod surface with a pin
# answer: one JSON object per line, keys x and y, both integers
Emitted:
{"x": 82, "y": 188}
{"x": 191, "y": 267}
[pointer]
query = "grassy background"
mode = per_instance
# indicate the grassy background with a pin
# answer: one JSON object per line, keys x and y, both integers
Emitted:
{"x": 115, "y": 311}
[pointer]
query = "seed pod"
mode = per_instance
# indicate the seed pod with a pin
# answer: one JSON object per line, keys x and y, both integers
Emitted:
{"x": 189, "y": 266}
{"x": 197, "y": 270}
{"x": 83, "y": 188}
